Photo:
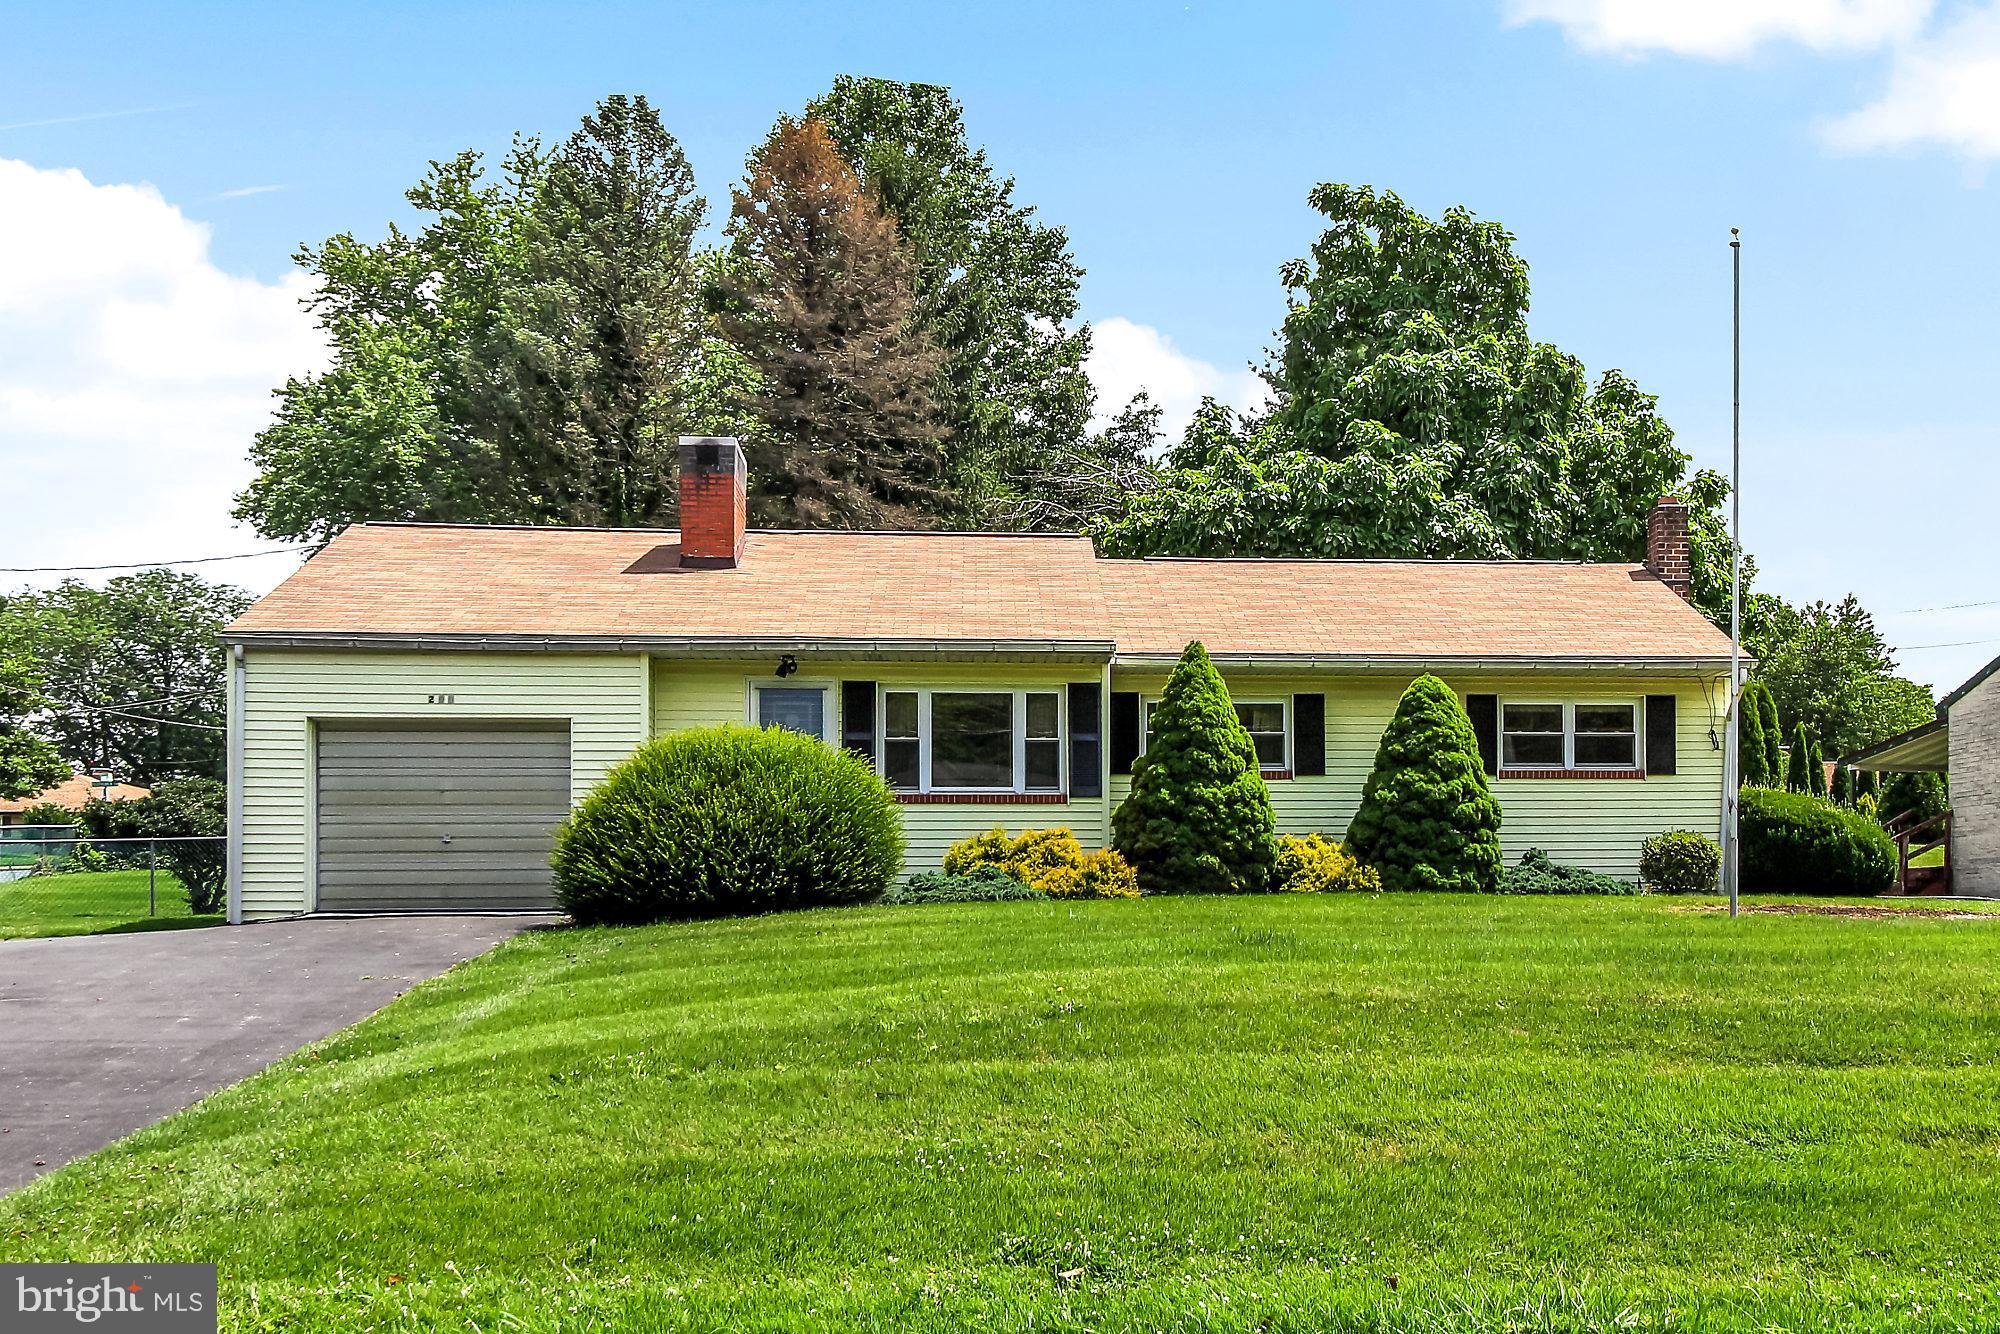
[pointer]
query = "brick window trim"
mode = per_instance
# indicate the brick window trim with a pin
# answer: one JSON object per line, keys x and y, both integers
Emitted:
{"x": 983, "y": 798}
{"x": 1276, "y": 775}
{"x": 1572, "y": 773}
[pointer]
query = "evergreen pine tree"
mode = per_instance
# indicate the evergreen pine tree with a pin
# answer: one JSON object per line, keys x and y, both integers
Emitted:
{"x": 1843, "y": 785}
{"x": 1816, "y": 768}
{"x": 1753, "y": 764}
{"x": 1774, "y": 734}
{"x": 1199, "y": 818}
{"x": 1866, "y": 784}
{"x": 1427, "y": 819}
{"x": 820, "y": 298}
{"x": 1798, "y": 765}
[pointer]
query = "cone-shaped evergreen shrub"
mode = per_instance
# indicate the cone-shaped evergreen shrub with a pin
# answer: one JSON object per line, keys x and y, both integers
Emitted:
{"x": 1843, "y": 785}
{"x": 1816, "y": 768}
{"x": 732, "y": 819}
{"x": 1199, "y": 818}
{"x": 1798, "y": 765}
{"x": 1774, "y": 733}
{"x": 1753, "y": 763}
{"x": 1427, "y": 819}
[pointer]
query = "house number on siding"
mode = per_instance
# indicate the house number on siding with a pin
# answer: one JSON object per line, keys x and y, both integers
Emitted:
{"x": 440, "y": 699}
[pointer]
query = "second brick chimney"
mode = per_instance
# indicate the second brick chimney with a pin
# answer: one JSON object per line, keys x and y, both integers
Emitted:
{"x": 714, "y": 502}
{"x": 1667, "y": 552}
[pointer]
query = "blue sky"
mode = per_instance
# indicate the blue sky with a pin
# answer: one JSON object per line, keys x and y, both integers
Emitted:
{"x": 1619, "y": 140}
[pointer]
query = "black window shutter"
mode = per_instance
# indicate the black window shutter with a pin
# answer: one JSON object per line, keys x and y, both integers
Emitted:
{"x": 1086, "y": 739}
{"x": 1661, "y": 731}
{"x": 1484, "y": 710}
{"x": 1124, "y": 730}
{"x": 1309, "y": 735}
{"x": 857, "y": 717}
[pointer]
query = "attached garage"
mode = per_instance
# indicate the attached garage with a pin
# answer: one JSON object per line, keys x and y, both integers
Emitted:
{"x": 430, "y": 817}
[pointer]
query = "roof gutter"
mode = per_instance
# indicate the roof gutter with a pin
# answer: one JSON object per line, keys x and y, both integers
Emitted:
{"x": 695, "y": 646}
{"x": 1398, "y": 662}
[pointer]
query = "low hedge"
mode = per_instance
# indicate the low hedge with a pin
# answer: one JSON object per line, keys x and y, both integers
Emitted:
{"x": 1680, "y": 861}
{"x": 981, "y": 884}
{"x": 732, "y": 819}
{"x": 1795, "y": 843}
{"x": 1538, "y": 873}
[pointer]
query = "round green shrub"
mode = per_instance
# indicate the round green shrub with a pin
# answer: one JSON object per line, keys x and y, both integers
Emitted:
{"x": 1680, "y": 861}
{"x": 1199, "y": 818}
{"x": 719, "y": 820}
{"x": 1793, "y": 842}
{"x": 1427, "y": 819}
{"x": 981, "y": 884}
{"x": 1538, "y": 873}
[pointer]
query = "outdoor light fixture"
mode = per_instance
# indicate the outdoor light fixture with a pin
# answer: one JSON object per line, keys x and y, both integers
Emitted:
{"x": 787, "y": 664}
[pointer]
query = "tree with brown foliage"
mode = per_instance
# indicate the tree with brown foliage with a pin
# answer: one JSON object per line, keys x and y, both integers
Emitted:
{"x": 822, "y": 301}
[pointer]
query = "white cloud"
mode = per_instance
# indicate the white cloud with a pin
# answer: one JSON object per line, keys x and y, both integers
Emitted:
{"x": 133, "y": 373}
{"x": 1126, "y": 357}
{"x": 1725, "y": 29}
{"x": 1943, "y": 90}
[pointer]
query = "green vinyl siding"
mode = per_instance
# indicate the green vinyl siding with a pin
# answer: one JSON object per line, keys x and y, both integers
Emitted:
{"x": 694, "y": 692}
{"x": 600, "y": 696}
{"x": 1594, "y": 822}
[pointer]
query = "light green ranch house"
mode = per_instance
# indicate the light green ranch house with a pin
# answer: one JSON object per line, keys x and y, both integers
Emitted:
{"x": 414, "y": 710}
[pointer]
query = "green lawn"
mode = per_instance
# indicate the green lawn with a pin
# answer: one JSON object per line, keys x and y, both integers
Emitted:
{"x": 1272, "y": 1114}
{"x": 87, "y": 902}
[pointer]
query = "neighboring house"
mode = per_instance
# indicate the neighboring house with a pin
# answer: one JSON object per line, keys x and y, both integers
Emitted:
{"x": 1963, "y": 741}
{"x": 70, "y": 794}
{"x": 415, "y": 709}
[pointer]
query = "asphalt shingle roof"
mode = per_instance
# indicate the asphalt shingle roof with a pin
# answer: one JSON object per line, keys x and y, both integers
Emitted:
{"x": 459, "y": 580}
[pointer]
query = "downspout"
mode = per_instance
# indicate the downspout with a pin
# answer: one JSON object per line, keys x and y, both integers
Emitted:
{"x": 1104, "y": 750}
{"x": 235, "y": 845}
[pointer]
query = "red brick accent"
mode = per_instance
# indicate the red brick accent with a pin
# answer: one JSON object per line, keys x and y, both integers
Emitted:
{"x": 1572, "y": 773}
{"x": 1667, "y": 551}
{"x": 983, "y": 798}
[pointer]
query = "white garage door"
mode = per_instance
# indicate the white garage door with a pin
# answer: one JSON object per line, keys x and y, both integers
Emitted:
{"x": 430, "y": 818}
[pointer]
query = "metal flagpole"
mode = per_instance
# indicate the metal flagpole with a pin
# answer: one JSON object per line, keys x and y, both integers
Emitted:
{"x": 1732, "y": 758}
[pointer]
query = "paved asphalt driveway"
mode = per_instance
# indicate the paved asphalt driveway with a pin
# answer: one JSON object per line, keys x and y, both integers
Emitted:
{"x": 101, "y": 1035}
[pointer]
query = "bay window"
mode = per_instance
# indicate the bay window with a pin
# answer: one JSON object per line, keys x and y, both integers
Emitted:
{"x": 1569, "y": 736}
{"x": 958, "y": 740}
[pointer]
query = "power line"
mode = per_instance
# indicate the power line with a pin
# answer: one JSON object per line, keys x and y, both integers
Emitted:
{"x": 1950, "y": 606}
{"x": 142, "y": 564}
{"x": 1956, "y": 643}
{"x": 143, "y": 717}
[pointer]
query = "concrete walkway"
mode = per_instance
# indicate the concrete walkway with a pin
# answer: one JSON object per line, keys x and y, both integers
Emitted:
{"x": 101, "y": 1035}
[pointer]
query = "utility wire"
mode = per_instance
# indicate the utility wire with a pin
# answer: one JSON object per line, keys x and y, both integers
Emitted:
{"x": 1951, "y": 606}
{"x": 1956, "y": 643}
{"x": 142, "y": 717}
{"x": 141, "y": 564}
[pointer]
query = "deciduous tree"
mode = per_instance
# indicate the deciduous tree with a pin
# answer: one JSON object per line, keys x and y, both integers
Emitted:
{"x": 132, "y": 671}
{"x": 28, "y": 763}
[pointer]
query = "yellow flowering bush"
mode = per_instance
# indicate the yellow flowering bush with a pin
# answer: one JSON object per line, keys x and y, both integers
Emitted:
{"x": 1317, "y": 865}
{"x": 1098, "y": 875}
{"x": 1050, "y": 860}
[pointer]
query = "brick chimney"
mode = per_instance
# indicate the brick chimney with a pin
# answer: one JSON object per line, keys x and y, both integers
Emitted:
{"x": 1667, "y": 551}
{"x": 713, "y": 504}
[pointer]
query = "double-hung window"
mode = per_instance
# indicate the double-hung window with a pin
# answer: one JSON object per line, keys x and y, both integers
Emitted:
{"x": 1264, "y": 720}
{"x": 1569, "y": 736}
{"x": 963, "y": 740}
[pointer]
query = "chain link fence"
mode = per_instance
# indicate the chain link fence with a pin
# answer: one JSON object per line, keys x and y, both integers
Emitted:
{"x": 56, "y": 882}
